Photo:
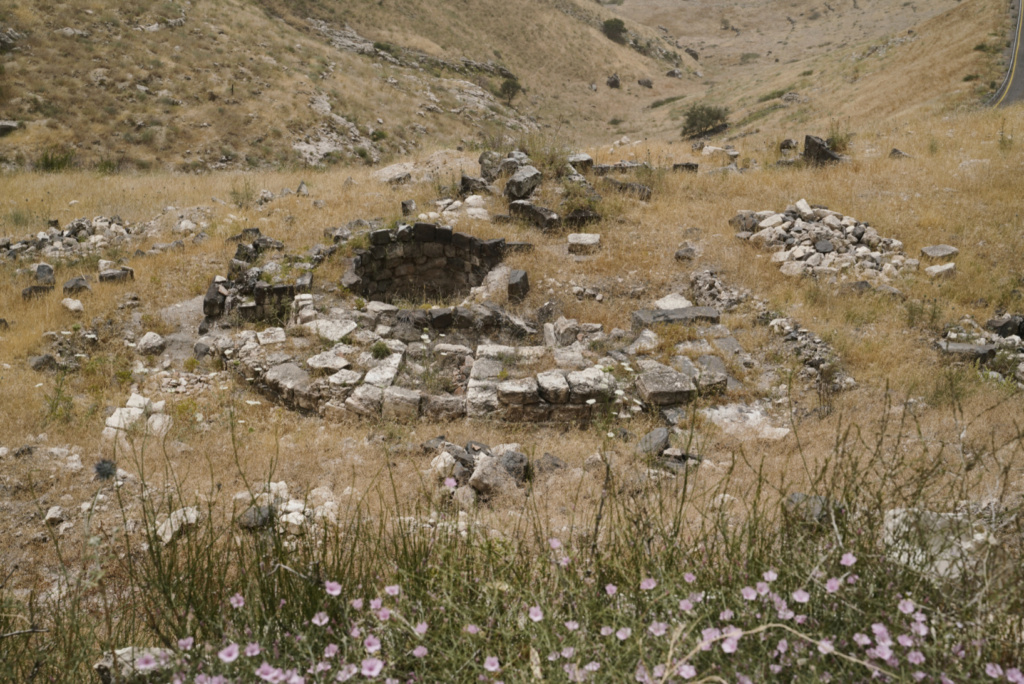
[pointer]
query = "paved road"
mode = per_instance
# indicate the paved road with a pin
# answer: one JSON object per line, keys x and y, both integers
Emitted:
{"x": 1012, "y": 90}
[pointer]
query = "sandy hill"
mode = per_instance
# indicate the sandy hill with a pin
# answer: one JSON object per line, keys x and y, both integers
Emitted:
{"x": 249, "y": 83}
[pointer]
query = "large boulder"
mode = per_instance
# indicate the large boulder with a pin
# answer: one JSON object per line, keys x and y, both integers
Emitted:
{"x": 522, "y": 184}
{"x": 818, "y": 151}
{"x": 490, "y": 477}
{"x": 151, "y": 344}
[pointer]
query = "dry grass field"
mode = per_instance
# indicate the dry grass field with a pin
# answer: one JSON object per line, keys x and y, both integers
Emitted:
{"x": 959, "y": 186}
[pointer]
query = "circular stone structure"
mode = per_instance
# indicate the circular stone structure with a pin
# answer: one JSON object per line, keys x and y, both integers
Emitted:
{"x": 421, "y": 261}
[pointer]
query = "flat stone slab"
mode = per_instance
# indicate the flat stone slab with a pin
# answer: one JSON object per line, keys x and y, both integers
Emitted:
{"x": 946, "y": 270}
{"x": 331, "y": 330}
{"x": 645, "y": 318}
{"x": 939, "y": 251}
{"x": 661, "y": 388}
{"x": 584, "y": 243}
{"x": 968, "y": 351}
{"x": 271, "y": 336}
{"x": 328, "y": 361}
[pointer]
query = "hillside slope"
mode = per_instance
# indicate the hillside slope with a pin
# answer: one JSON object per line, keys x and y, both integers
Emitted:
{"x": 248, "y": 83}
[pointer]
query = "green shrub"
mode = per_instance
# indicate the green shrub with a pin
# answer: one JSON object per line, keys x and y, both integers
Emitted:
{"x": 703, "y": 118}
{"x": 509, "y": 89}
{"x": 614, "y": 29}
{"x": 55, "y": 159}
{"x": 379, "y": 350}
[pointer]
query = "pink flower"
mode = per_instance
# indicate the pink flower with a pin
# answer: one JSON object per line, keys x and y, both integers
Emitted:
{"x": 145, "y": 662}
{"x": 658, "y": 628}
{"x": 623, "y": 634}
{"x": 726, "y": 615}
{"x": 491, "y": 664}
{"x": 592, "y": 666}
{"x": 331, "y": 650}
{"x": 905, "y": 640}
{"x": 371, "y": 644}
{"x": 355, "y": 632}
{"x": 710, "y": 634}
{"x": 332, "y": 588}
{"x": 770, "y": 576}
{"x": 229, "y": 654}
{"x": 346, "y": 673}
{"x": 186, "y": 643}
{"x": 611, "y": 589}
{"x": 384, "y": 614}
{"x": 801, "y": 596}
{"x": 847, "y": 560}
{"x": 685, "y": 606}
{"x": 994, "y": 671}
{"x": 450, "y": 482}
{"x": 392, "y": 590}
{"x": 472, "y": 629}
{"x": 420, "y": 628}
{"x": 690, "y": 578}
{"x": 237, "y": 601}
{"x": 572, "y": 625}
{"x": 915, "y": 657}
{"x": 606, "y": 631}
{"x": 357, "y": 604}
{"x": 906, "y": 606}
{"x": 419, "y": 652}
{"x": 1014, "y": 675}
{"x": 762, "y": 588}
{"x": 730, "y": 645}
{"x": 555, "y": 543}
{"x": 536, "y": 614}
{"x": 861, "y": 639}
{"x": 832, "y": 585}
{"x": 568, "y": 652}
{"x": 268, "y": 673}
{"x": 749, "y": 593}
{"x": 252, "y": 650}
{"x": 783, "y": 646}
{"x": 825, "y": 646}
{"x": 687, "y": 671}
{"x": 882, "y": 651}
{"x": 648, "y": 584}
{"x": 320, "y": 619}
{"x": 371, "y": 667}
{"x": 376, "y": 603}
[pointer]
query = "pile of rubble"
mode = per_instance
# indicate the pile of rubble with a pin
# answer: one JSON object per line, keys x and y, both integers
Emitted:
{"x": 78, "y": 238}
{"x": 815, "y": 241}
{"x": 997, "y": 346}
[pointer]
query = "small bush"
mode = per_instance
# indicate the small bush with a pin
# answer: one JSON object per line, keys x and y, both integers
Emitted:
{"x": 774, "y": 95}
{"x": 665, "y": 101}
{"x": 703, "y": 118}
{"x": 379, "y": 350}
{"x": 614, "y": 29}
{"x": 56, "y": 159}
{"x": 509, "y": 89}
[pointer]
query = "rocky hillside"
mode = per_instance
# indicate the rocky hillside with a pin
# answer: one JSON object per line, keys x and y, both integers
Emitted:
{"x": 250, "y": 83}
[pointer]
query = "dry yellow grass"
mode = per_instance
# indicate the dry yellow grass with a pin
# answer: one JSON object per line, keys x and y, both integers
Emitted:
{"x": 933, "y": 197}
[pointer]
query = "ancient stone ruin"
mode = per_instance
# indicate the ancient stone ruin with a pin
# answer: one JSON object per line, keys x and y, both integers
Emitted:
{"x": 421, "y": 261}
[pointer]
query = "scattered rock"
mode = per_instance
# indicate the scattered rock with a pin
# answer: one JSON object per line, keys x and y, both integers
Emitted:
{"x": 151, "y": 344}
{"x": 947, "y": 270}
{"x": 818, "y": 151}
{"x": 584, "y": 243}
{"x": 939, "y": 251}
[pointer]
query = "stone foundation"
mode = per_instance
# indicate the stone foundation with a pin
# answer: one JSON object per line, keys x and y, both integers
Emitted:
{"x": 421, "y": 261}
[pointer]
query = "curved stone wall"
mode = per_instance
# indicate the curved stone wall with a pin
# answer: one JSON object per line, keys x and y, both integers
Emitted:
{"x": 421, "y": 261}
